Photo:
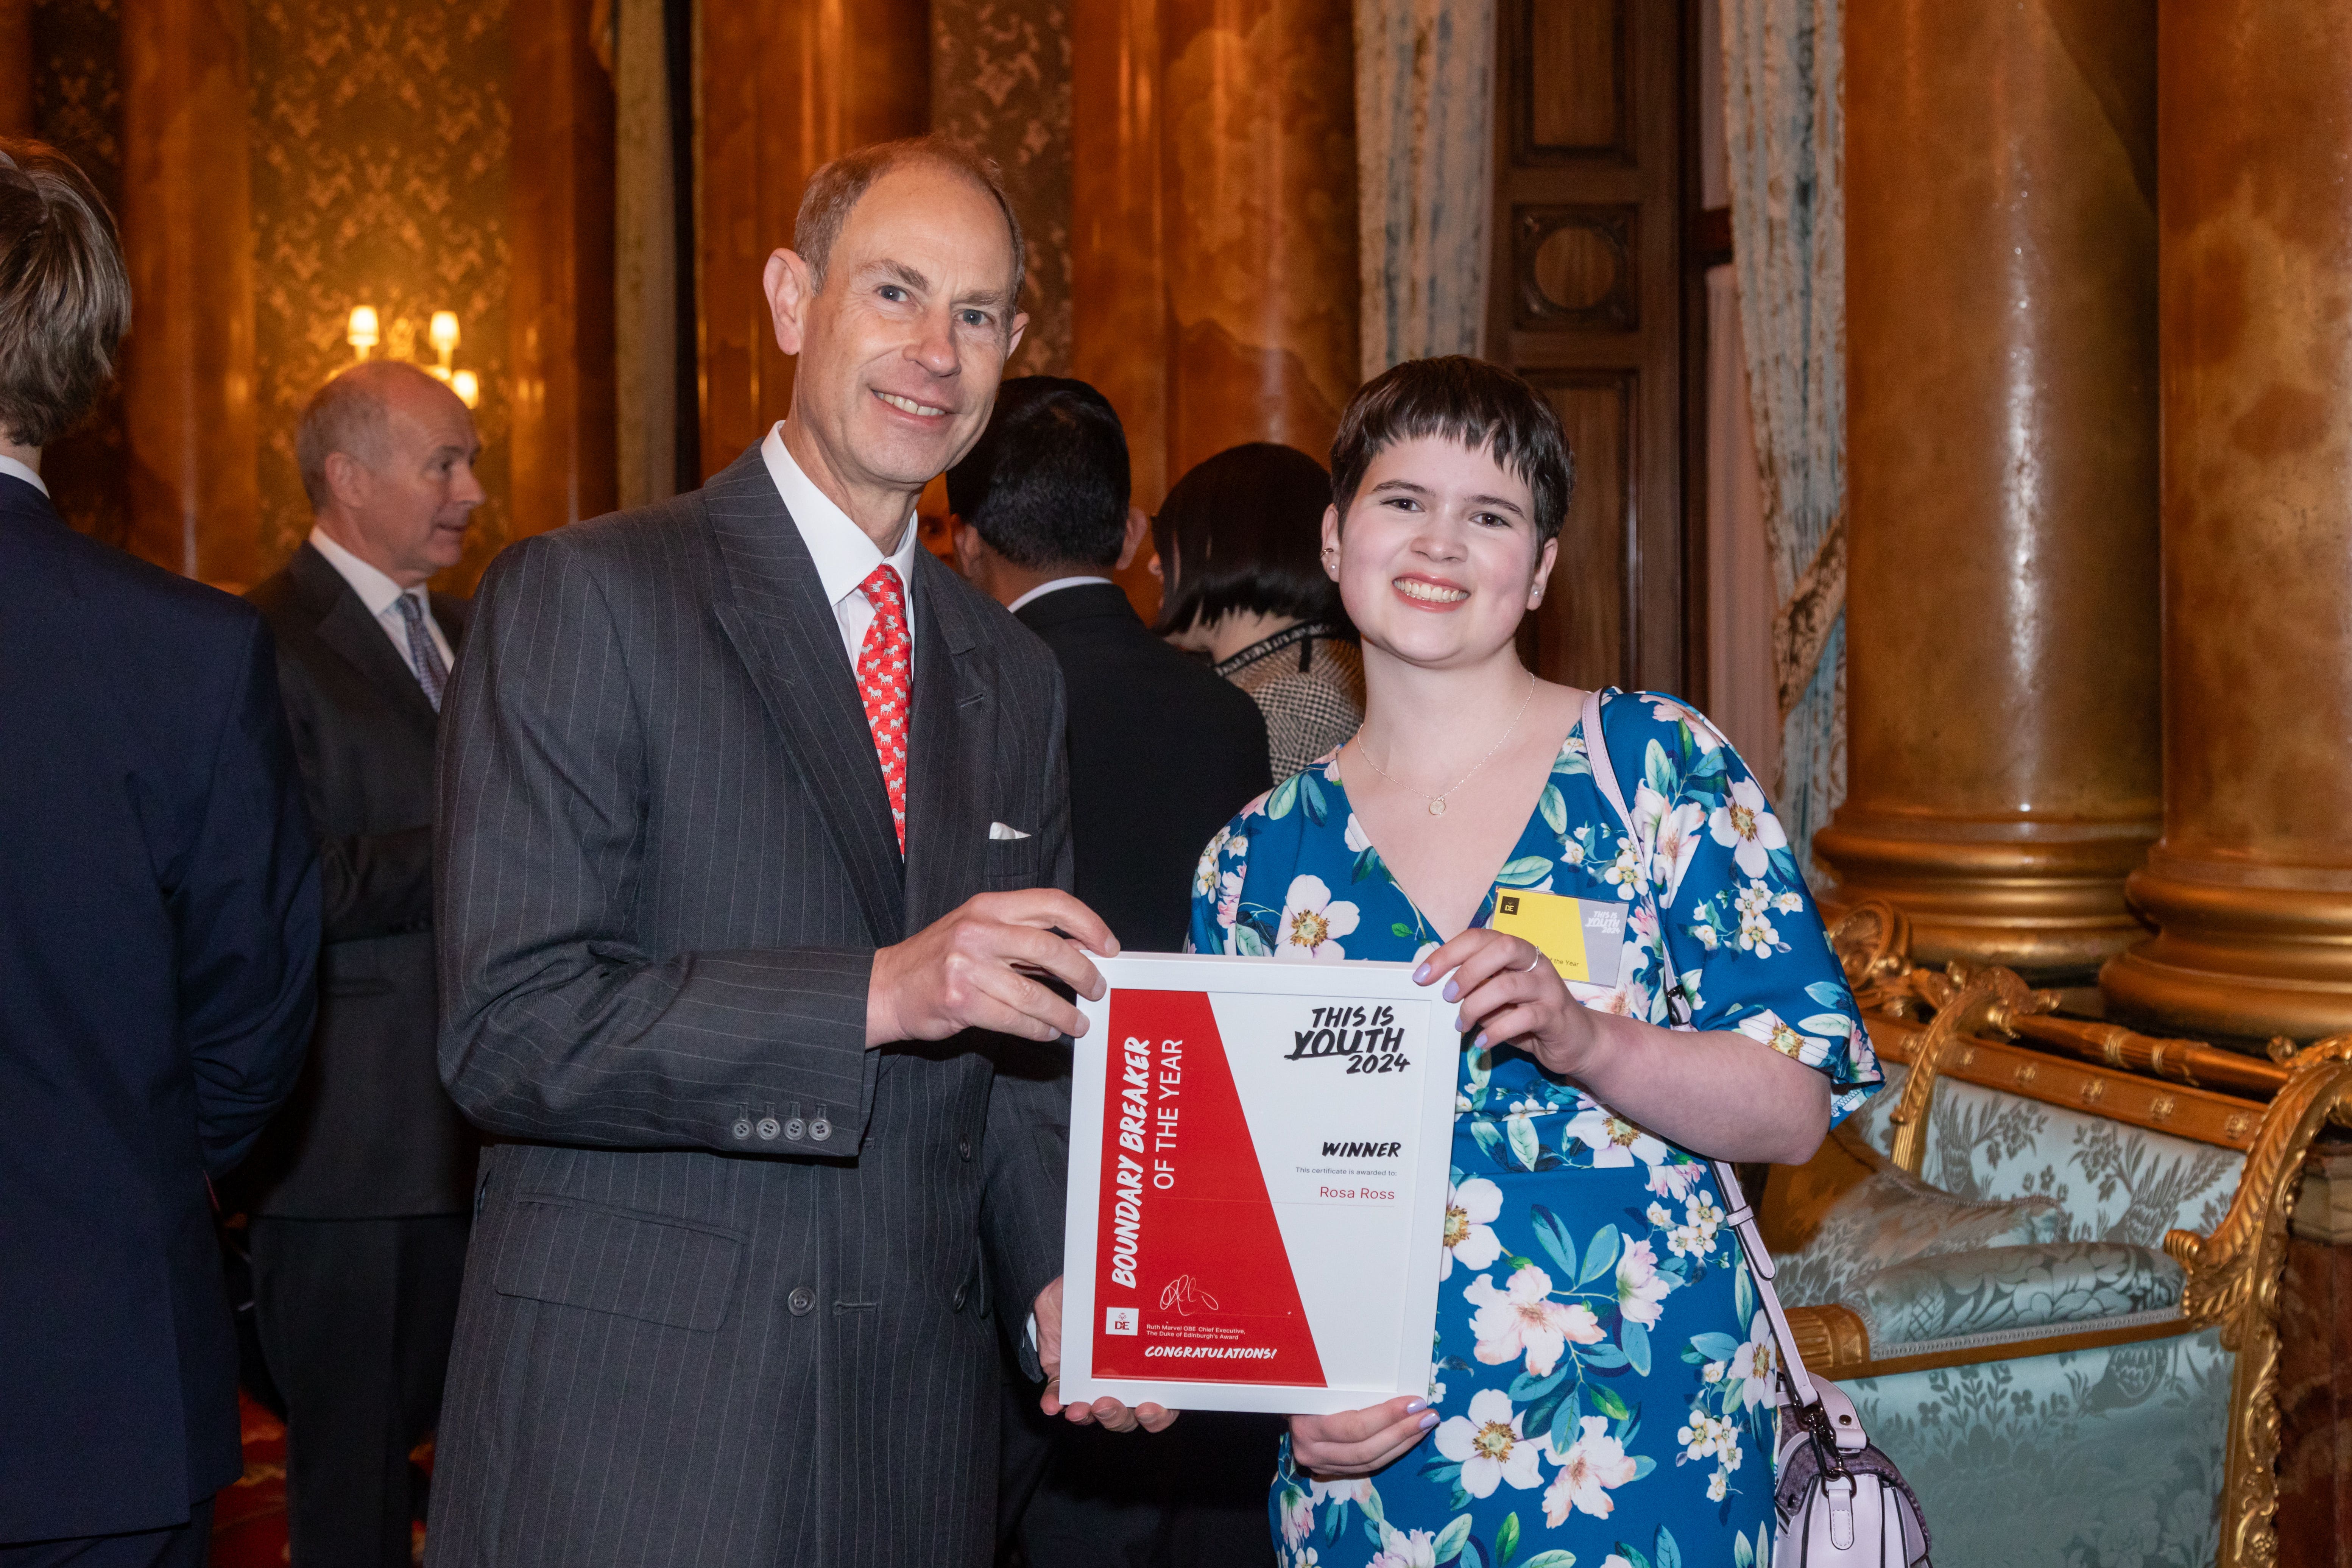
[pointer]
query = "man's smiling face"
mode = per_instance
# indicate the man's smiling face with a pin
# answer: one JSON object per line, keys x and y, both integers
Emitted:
{"x": 903, "y": 345}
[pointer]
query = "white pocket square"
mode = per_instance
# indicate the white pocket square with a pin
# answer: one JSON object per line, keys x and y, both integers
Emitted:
{"x": 998, "y": 831}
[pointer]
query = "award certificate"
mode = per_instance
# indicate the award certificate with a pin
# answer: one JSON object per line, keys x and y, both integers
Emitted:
{"x": 1259, "y": 1154}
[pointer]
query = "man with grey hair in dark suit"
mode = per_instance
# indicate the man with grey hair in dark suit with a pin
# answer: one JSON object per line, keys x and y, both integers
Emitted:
{"x": 756, "y": 826}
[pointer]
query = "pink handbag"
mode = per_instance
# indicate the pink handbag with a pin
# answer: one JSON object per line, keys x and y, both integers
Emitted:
{"x": 1838, "y": 1502}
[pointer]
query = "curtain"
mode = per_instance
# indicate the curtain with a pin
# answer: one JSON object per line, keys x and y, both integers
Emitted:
{"x": 1742, "y": 693}
{"x": 1424, "y": 161}
{"x": 1782, "y": 71}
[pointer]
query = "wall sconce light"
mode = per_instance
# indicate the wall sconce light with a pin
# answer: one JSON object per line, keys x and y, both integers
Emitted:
{"x": 442, "y": 336}
{"x": 362, "y": 333}
{"x": 467, "y": 386}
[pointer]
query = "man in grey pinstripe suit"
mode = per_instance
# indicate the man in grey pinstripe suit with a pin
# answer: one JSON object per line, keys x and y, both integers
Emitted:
{"x": 725, "y": 907}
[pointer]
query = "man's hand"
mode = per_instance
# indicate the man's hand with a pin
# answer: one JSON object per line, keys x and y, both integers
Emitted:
{"x": 967, "y": 971}
{"x": 1107, "y": 1412}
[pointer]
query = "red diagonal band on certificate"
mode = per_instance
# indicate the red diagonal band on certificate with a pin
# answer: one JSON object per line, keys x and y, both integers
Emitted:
{"x": 1192, "y": 1281}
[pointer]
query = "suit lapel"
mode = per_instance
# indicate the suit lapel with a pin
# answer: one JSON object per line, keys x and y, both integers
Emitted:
{"x": 950, "y": 750}
{"x": 345, "y": 625}
{"x": 767, "y": 599}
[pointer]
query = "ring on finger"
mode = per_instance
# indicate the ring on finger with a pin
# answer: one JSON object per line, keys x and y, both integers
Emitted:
{"x": 1531, "y": 969}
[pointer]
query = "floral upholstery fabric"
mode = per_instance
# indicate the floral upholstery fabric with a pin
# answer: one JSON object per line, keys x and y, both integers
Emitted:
{"x": 1892, "y": 1218}
{"x": 2094, "y": 1458}
{"x": 1930, "y": 1302}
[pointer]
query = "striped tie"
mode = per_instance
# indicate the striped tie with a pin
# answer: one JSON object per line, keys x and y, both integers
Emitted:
{"x": 424, "y": 657}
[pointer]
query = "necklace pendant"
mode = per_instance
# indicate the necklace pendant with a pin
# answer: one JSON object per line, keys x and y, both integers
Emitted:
{"x": 1437, "y": 807}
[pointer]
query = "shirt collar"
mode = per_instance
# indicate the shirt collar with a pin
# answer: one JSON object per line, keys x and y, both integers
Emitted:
{"x": 376, "y": 591}
{"x": 17, "y": 470}
{"x": 845, "y": 554}
{"x": 1041, "y": 589}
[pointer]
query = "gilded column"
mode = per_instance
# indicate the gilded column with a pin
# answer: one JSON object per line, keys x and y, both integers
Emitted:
{"x": 559, "y": 320}
{"x": 1119, "y": 281}
{"x": 187, "y": 238}
{"x": 2251, "y": 887}
{"x": 1258, "y": 194}
{"x": 2001, "y": 471}
{"x": 787, "y": 85}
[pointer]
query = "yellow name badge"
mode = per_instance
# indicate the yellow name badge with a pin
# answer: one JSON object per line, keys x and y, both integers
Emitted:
{"x": 1582, "y": 937}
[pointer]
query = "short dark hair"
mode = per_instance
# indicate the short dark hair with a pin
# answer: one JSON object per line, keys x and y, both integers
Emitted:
{"x": 1483, "y": 406}
{"x": 834, "y": 189}
{"x": 64, "y": 297}
{"x": 1243, "y": 530}
{"x": 347, "y": 415}
{"x": 1047, "y": 483}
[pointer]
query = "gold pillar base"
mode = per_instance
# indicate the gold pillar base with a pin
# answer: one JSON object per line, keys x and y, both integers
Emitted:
{"x": 2246, "y": 952}
{"x": 2044, "y": 899}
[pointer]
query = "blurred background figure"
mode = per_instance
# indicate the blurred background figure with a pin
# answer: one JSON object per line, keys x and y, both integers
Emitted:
{"x": 360, "y": 1188}
{"x": 1161, "y": 753}
{"x": 159, "y": 925}
{"x": 1239, "y": 539}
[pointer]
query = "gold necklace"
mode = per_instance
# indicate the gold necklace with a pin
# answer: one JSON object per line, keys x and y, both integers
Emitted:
{"x": 1437, "y": 801}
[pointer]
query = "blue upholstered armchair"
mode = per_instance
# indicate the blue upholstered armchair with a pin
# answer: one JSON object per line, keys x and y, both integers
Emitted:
{"x": 1980, "y": 1258}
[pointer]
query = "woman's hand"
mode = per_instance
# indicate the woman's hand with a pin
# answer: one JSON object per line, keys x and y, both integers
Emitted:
{"x": 1510, "y": 994}
{"x": 1359, "y": 1442}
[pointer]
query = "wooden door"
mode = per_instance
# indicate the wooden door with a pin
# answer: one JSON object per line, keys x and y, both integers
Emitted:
{"x": 1587, "y": 302}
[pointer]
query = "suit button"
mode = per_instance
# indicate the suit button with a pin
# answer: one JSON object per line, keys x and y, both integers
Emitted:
{"x": 957, "y": 1305}
{"x": 741, "y": 1130}
{"x": 802, "y": 1300}
{"x": 964, "y": 1148}
{"x": 769, "y": 1127}
{"x": 795, "y": 1127}
{"x": 820, "y": 1130}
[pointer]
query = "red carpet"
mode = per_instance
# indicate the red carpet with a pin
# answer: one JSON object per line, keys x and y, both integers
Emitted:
{"x": 250, "y": 1515}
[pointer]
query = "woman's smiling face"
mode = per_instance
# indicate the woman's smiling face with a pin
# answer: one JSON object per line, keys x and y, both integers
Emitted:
{"x": 1437, "y": 558}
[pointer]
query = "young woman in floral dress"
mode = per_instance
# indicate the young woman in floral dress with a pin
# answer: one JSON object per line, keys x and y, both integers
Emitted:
{"x": 1604, "y": 1380}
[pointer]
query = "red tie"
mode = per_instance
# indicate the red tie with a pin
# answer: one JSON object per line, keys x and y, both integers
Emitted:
{"x": 885, "y": 681}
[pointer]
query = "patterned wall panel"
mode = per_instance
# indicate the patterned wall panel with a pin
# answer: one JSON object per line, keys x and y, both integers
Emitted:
{"x": 380, "y": 169}
{"x": 77, "y": 108}
{"x": 1000, "y": 80}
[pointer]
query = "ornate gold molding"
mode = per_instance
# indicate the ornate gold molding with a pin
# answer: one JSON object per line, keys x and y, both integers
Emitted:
{"x": 1964, "y": 999}
{"x": 2234, "y": 1281}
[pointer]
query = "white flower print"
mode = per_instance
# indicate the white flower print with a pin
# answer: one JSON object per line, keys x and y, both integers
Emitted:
{"x": 1400, "y": 1550}
{"x": 1746, "y": 823}
{"x": 1718, "y": 1486}
{"x": 1612, "y": 1140}
{"x": 1713, "y": 1372}
{"x": 1297, "y": 1516}
{"x": 1707, "y": 1437}
{"x": 1229, "y": 899}
{"x": 1593, "y": 1463}
{"x": 1470, "y": 1211}
{"x": 1758, "y": 936}
{"x": 1673, "y": 1178}
{"x": 1756, "y": 1367}
{"x": 1488, "y": 1446}
{"x": 1313, "y": 921}
{"x": 1525, "y": 1321}
{"x": 1639, "y": 1287}
{"x": 1204, "y": 875}
{"x": 1624, "y": 873}
{"x": 1572, "y": 851}
{"x": 1677, "y": 842}
{"x": 1756, "y": 898}
{"x": 1696, "y": 1237}
{"x": 1660, "y": 1218}
{"x": 1356, "y": 838}
{"x": 1668, "y": 711}
{"x": 1706, "y": 934}
{"x": 1765, "y": 1025}
{"x": 1788, "y": 903}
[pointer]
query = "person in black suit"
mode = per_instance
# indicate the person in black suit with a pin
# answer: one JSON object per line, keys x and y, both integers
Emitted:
{"x": 1162, "y": 753}
{"x": 360, "y": 1189}
{"x": 158, "y": 926}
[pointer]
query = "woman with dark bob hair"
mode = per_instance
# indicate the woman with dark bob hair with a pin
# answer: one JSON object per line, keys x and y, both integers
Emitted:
{"x": 1600, "y": 1374}
{"x": 1236, "y": 541}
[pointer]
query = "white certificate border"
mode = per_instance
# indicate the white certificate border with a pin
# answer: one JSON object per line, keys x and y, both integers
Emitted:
{"x": 1356, "y": 980}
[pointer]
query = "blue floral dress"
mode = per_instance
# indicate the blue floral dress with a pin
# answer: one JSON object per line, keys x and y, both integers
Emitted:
{"x": 1604, "y": 1376}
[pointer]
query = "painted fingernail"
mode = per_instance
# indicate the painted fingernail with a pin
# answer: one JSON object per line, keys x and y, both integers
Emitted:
{"x": 1480, "y": 1043}
{"x": 1421, "y": 976}
{"x": 1460, "y": 1023}
{"x": 1417, "y": 1405}
{"x": 1429, "y": 1420}
{"x": 1452, "y": 992}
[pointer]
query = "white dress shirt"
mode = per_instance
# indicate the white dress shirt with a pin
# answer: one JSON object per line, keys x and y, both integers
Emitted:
{"x": 1058, "y": 583}
{"x": 17, "y": 470}
{"x": 382, "y": 596}
{"x": 845, "y": 554}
